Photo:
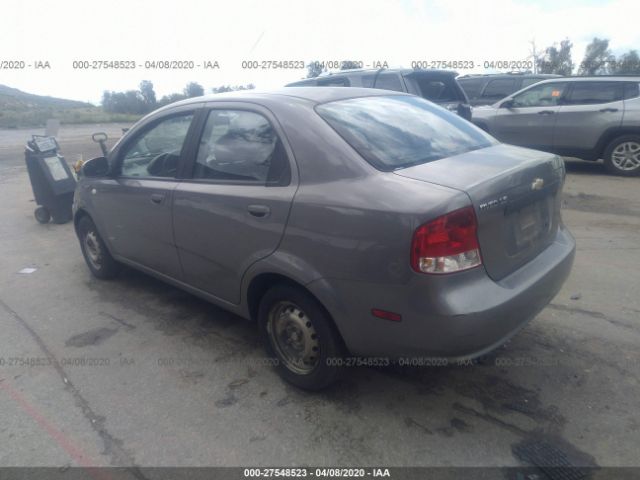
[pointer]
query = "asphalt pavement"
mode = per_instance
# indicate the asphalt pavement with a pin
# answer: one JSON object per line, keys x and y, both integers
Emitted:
{"x": 133, "y": 372}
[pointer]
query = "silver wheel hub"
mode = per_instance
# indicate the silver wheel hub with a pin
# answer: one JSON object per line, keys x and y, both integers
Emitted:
{"x": 626, "y": 156}
{"x": 294, "y": 338}
{"x": 92, "y": 247}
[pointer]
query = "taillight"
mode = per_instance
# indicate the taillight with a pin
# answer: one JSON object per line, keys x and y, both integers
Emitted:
{"x": 447, "y": 244}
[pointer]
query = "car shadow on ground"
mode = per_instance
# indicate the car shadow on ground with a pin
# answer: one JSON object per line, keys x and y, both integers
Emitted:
{"x": 462, "y": 399}
{"x": 584, "y": 167}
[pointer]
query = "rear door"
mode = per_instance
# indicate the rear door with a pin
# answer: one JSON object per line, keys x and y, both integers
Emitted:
{"x": 133, "y": 208}
{"x": 233, "y": 208}
{"x": 588, "y": 110}
{"x": 530, "y": 119}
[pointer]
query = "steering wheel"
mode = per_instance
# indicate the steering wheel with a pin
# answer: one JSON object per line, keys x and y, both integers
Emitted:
{"x": 159, "y": 165}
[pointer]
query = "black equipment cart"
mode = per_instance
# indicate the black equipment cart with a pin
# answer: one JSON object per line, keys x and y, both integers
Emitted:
{"x": 51, "y": 179}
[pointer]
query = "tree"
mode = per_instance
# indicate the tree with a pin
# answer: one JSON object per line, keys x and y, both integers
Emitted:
{"x": 229, "y": 88}
{"x": 314, "y": 69}
{"x": 107, "y": 101}
{"x": 597, "y": 58}
{"x": 130, "y": 101}
{"x": 222, "y": 89}
{"x": 349, "y": 65}
{"x": 193, "y": 89}
{"x": 167, "y": 99}
{"x": 556, "y": 60}
{"x": 628, "y": 64}
{"x": 148, "y": 94}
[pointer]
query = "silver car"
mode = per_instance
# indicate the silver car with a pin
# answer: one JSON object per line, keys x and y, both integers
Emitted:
{"x": 584, "y": 117}
{"x": 357, "y": 226}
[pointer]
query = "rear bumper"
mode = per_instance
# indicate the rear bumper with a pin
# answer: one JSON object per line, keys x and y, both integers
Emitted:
{"x": 458, "y": 316}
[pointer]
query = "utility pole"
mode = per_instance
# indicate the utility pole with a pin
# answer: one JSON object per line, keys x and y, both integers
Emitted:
{"x": 534, "y": 55}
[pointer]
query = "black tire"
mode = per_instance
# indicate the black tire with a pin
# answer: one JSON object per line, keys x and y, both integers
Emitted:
{"x": 325, "y": 369}
{"x": 61, "y": 215}
{"x": 98, "y": 258}
{"x": 61, "y": 219}
{"x": 42, "y": 215}
{"x": 616, "y": 149}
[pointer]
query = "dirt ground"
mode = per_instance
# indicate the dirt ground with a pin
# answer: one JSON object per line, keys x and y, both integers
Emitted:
{"x": 147, "y": 375}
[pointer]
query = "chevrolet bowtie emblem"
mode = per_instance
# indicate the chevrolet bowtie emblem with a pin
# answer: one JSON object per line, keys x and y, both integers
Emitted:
{"x": 537, "y": 184}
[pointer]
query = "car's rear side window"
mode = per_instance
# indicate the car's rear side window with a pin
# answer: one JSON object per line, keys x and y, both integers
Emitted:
{"x": 240, "y": 146}
{"x": 438, "y": 91}
{"x": 334, "y": 82}
{"x": 585, "y": 93}
{"x": 471, "y": 86}
{"x": 389, "y": 81}
{"x": 392, "y": 132}
{"x": 367, "y": 80}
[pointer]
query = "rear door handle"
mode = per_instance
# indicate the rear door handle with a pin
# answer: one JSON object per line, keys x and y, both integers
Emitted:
{"x": 612, "y": 110}
{"x": 546, "y": 112}
{"x": 157, "y": 197}
{"x": 259, "y": 211}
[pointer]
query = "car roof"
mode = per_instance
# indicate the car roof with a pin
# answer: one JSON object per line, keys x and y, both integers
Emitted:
{"x": 385, "y": 70}
{"x": 592, "y": 78}
{"x": 313, "y": 95}
{"x": 507, "y": 75}
{"x": 374, "y": 71}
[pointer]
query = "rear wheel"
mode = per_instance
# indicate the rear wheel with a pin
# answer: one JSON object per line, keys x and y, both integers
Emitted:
{"x": 98, "y": 258}
{"x": 42, "y": 214}
{"x": 300, "y": 334}
{"x": 622, "y": 156}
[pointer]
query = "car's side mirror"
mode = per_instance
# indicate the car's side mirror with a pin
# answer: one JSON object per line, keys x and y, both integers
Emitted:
{"x": 96, "y": 167}
{"x": 507, "y": 104}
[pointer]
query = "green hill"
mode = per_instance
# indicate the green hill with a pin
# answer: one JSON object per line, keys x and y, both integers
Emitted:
{"x": 14, "y": 99}
{"x": 22, "y": 109}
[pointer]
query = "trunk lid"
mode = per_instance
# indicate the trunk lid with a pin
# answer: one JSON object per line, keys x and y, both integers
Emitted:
{"x": 516, "y": 195}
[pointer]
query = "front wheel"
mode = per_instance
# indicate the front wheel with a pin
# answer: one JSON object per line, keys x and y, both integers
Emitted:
{"x": 300, "y": 334}
{"x": 98, "y": 258}
{"x": 622, "y": 156}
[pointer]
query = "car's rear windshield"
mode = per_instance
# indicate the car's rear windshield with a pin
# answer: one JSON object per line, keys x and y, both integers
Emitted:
{"x": 439, "y": 90}
{"x": 393, "y": 132}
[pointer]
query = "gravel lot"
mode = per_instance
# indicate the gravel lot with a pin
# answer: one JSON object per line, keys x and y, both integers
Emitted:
{"x": 148, "y": 375}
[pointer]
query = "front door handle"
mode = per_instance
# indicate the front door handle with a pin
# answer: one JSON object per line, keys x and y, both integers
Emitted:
{"x": 259, "y": 211}
{"x": 612, "y": 110}
{"x": 157, "y": 198}
{"x": 546, "y": 112}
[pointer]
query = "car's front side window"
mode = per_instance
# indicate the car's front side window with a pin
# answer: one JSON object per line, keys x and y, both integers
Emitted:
{"x": 530, "y": 81}
{"x": 546, "y": 95}
{"x": 240, "y": 146}
{"x": 499, "y": 88}
{"x": 156, "y": 152}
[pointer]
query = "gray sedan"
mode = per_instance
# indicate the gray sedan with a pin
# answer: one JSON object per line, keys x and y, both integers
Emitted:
{"x": 356, "y": 226}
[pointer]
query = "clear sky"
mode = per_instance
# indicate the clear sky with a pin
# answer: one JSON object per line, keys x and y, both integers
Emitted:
{"x": 236, "y": 30}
